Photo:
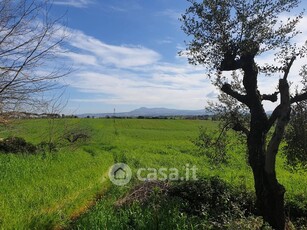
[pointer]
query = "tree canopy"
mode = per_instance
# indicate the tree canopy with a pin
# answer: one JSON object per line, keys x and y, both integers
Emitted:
{"x": 237, "y": 28}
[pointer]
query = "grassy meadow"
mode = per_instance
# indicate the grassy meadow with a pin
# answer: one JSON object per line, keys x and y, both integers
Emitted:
{"x": 70, "y": 188}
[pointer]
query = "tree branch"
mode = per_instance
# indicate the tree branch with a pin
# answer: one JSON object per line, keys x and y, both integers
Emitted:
{"x": 28, "y": 44}
{"x": 270, "y": 97}
{"x": 284, "y": 91}
{"x": 273, "y": 117}
{"x": 226, "y": 88}
{"x": 283, "y": 117}
{"x": 298, "y": 98}
{"x": 288, "y": 67}
{"x": 240, "y": 128}
{"x": 229, "y": 63}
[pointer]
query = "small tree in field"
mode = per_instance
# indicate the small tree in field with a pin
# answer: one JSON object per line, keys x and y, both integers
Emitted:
{"x": 29, "y": 42}
{"x": 227, "y": 35}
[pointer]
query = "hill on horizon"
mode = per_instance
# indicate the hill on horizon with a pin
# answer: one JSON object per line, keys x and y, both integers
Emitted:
{"x": 150, "y": 112}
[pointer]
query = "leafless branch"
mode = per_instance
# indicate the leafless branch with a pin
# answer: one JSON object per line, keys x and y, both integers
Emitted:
{"x": 29, "y": 39}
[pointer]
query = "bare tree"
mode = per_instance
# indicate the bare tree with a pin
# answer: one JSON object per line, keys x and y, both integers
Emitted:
{"x": 29, "y": 42}
{"x": 227, "y": 36}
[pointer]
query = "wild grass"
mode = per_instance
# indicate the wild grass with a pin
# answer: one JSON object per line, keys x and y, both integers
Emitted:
{"x": 47, "y": 190}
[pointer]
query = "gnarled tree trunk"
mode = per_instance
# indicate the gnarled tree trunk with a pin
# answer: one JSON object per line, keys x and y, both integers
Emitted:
{"x": 269, "y": 193}
{"x": 262, "y": 157}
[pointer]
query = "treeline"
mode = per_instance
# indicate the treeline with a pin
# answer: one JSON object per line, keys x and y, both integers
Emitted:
{"x": 27, "y": 115}
{"x": 199, "y": 117}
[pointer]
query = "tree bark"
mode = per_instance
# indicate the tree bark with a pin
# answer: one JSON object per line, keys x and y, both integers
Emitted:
{"x": 262, "y": 158}
{"x": 269, "y": 193}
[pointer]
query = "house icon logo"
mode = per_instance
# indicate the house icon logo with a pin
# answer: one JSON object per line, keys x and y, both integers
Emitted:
{"x": 120, "y": 174}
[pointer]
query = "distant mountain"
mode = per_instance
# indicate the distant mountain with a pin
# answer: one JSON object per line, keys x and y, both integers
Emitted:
{"x": 150, "y": 112}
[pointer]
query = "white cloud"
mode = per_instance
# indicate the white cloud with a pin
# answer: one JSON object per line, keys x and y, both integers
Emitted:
{"x": 132, "y": 75}
{"x": 106, "y": 54}
{"x": 158, "y": 89}
{"x": 167, "y": 40}
{"x": 74, "y": 3}
{"x": 171, "y": 13}
{"x": 153, "y": 97}
{"x": 83, "y": 59}
{"x": 125, "y": 6}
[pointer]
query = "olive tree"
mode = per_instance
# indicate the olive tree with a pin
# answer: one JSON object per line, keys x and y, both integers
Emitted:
{"x": 29, "y": 42}
{"x": 228, "y": 35}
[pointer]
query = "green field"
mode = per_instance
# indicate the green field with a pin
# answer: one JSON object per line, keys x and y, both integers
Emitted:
{"x": 54, "y": 190}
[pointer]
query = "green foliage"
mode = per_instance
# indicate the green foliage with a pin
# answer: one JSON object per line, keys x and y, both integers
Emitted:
{"x": 212, "y": 144}
{"x": 48, "y": 190}
{"x": 295, "y": 149}
{"x": 247, "y": 223}
{"x": 159, "y": 213}
{"x": 120, "y": 157}
{"x": 208, "y": 203}
{"x": 213, "y": 198}
{"x": 17, "y": 145}
{"x": 44, "y": 147}
{"x": 235, "y": 28}
{"x": 45, "y": 191}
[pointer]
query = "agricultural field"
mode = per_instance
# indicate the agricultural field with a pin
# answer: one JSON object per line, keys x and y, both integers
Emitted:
{"x": 69, "y": 187}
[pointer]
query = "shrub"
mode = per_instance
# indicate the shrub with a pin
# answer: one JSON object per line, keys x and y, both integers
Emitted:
{"x": 46, "y": 147}
{"x": 17, "y": 145}
{"x": 208, "y": 203}
{"x": 77, "y": 134}
{"x": 214, "y": 200}
{"x": 211, "y": 196}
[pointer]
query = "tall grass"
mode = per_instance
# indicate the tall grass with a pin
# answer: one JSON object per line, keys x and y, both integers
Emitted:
{"x": 48, "y": 190}
{"x": 44, "y": 191}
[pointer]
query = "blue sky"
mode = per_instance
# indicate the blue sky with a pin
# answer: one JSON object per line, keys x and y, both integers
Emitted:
{"x": 124, "y": 56}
